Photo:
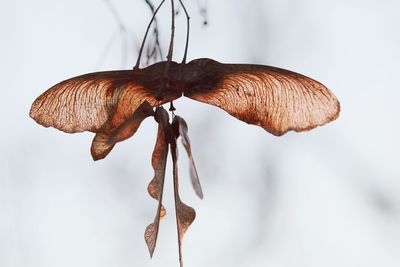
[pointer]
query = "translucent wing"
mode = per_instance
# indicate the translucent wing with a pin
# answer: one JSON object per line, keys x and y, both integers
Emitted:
{"x": 156, "y": 186}
{"x": 276, "y": 99}
{"x": 185, "y": 215}
{"x": 94, "y": 102}
{"x": 103, "y": 142}
{"x": 194, "y": 177}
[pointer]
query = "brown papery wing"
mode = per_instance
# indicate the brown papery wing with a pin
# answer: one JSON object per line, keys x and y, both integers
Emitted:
{"x": 276, "y": 99}
{"x": 156, "y": 186}
{"x": 87, "y": 102}
{"x": 194, "y": 177}
{"x": 104, "y": 142}
{"x": 185, "y": 215}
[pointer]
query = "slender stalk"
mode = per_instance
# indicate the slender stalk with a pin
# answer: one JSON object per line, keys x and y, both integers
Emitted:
{"x": 145, "y": 36}
{"x": 171, "y": 44}
{"x": 187, "y": 31}
{"x": 157, "y": 47}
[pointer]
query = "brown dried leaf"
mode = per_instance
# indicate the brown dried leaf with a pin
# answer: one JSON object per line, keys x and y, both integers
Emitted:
{"x": 194, "y": 177}
{"x": 104, "y": 140}
{"x": 155, "y": 188}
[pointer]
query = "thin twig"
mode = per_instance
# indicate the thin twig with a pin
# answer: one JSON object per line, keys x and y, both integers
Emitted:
{"x": 145, "y": 36}
{"x": 187, "y": 31}
{"x": 171, "y": 44}
{"x": 157, "y": 46}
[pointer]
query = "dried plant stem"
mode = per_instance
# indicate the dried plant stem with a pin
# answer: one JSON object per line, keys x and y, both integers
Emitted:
{"x": 187, "y": 31}
{"x": 147, "y": 32}
{"x": 157, "y": 46}
{"x": 171, "y": 44}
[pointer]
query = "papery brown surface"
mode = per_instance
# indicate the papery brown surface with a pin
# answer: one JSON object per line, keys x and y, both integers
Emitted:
{"x": 194, "y": 177}
{"x": 104, "y": 141}
{"x": 156, "y": 186}
{"x": 276, "y": 99}
{"x": 95, "y": 101}
{"x": 185, "y": 215}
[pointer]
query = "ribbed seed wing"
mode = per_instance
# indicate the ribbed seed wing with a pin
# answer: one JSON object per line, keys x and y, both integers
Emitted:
{"x": 276, "y": 99}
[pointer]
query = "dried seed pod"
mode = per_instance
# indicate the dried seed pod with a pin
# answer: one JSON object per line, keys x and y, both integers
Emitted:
{"x": 104, "y": 140}
{"x": 276, "y": 99}
{"x": 185, "y": 215}
{"x": 194, "y": 177}
{"x": 156, "y": 186}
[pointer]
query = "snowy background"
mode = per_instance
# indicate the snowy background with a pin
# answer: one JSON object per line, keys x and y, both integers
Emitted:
{"x": 329, "y": 197}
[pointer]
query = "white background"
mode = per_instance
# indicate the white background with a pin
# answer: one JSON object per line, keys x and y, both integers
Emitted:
{"x": 329, "y": 197}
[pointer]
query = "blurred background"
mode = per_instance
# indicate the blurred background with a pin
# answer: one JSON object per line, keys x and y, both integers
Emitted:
{"x": 328, "y": 197}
